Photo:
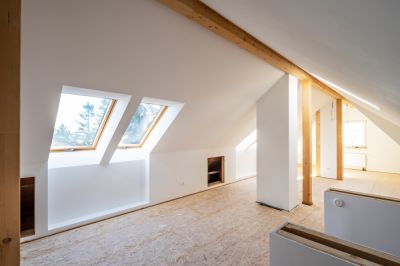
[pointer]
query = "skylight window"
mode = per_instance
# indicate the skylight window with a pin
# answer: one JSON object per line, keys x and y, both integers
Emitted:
{"x": 145, "y": 119}
{"x": 80, "y": 122}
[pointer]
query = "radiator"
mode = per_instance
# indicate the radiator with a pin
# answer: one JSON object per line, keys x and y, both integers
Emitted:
{"x": 355, "y": 161}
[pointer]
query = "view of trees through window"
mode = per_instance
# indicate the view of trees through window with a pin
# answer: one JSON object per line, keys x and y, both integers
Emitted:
{"x": 141, "y": 122}
{"x": 78, "y": 120}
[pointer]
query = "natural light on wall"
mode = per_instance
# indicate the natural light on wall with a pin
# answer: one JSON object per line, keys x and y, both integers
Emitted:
{"x": 250, "y": 142}
{"x": 354, "y": 134}
{"x": 346, "y": 92}
{"x": 145, "y": 119}
{"x": 80, "y": 122}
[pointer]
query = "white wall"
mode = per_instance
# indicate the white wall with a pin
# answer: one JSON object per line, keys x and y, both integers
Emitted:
{"x": 383, "y": 153}
{"x": 76, "y": 192}
{"x": 177, "y": 174}
{"x": 328, "y": 140}
{"x": 285, "y": 251}
{"x": 246, "y": 156}
{"x": 246, "y": 165}
{"x": 363, "y": 220}
{"x": 145, "y": 52}
{"x": 276, "y": 145}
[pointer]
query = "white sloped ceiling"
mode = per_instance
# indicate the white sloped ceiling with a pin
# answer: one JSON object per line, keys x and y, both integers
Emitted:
{"x": 354, "y": 44}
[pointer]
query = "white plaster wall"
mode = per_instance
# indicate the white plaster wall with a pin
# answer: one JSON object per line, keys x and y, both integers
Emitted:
{"x": 328, "y": 140}
{"x": 285, "y": 252}
{"x": 76, "y": 192}
{"x": 383, "y": 153}
{"x": 363, "y": 220}
{"x": 139, "y": 49}
{"x": 177, "y": 174}
{"x": 246, "y": 162}
{"x": 276, "y": 146}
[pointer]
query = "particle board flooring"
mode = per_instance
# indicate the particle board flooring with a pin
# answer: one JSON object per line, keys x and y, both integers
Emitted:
{"x": 221, "y": 226}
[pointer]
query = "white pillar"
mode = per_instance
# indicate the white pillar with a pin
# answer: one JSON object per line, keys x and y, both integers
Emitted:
{"x": 277, "y": 145}
{"x": 328, "y": 140}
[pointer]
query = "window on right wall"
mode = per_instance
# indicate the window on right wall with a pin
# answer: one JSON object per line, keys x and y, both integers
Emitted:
{"x": 143, "y": 122}
{"x": 355, "y": 134}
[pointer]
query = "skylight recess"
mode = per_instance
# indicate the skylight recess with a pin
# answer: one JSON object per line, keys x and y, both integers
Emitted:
{"x": 80, "y": 122}
{"x": 145, "y": 119}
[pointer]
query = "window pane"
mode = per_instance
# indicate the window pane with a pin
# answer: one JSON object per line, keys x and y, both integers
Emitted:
{"x": 354, "y": 134}
{"x": 141, "y": 122}
{"x": 78, "y": 120}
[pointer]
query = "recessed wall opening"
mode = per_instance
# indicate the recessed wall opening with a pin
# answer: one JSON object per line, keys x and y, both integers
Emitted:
{"x": 216, "y": 170}
{"x": 27, "y": 199}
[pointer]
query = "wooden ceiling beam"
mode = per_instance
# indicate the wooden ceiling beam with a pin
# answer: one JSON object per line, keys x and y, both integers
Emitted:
{"x": 210, "y": 19}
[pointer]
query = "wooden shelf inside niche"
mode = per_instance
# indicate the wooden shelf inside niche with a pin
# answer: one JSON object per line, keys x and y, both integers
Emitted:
{"x": 27, "y": 197}
{"x": 215, "y": 170}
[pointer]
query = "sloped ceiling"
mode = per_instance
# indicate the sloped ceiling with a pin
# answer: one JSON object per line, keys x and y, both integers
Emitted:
{"x": 140, "y": 48}
{"x": 354, "y": 44}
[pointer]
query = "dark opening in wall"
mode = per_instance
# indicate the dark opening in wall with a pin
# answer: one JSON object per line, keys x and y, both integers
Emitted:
{"x": 27, "y": 206}
{"x": 216, "y": 170}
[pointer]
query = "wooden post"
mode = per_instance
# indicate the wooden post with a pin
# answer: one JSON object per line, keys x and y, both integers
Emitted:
{"x": 318, "y": 143}
{"x": 339, "y": 136}
{"x": 307, "y": 142}
{"x": 10, "y": 17}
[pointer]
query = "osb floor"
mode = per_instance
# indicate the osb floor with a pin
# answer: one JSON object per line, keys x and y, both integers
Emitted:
{"x": 222, "y": 226}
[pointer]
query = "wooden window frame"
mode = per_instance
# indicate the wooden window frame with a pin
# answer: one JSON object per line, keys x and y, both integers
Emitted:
{"x": 96, "y": 140}
{"x": 148, "y": 132}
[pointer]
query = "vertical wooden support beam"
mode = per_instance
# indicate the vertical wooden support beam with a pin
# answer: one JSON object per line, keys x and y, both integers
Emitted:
{"x": 10, "y": 17}
{"x": 318, "y": 143}
{"x": 307, "y": 142}
{"x": 339, "y": 136}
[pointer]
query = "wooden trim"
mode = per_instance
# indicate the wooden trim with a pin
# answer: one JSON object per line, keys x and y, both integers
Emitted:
{"x": 361, "y": 194}
{"x": 211, "y": 20}
{"x": 10, "y": 31}
{"x": 360, "y": 255}
{"x": 223, "y": 169}
{"x": 148, "y": 132}
{"x": 106, "y": 118}
{"x": 139, "y": 209}
{"x": 339, "y": 138}
{"x": 318, "y": 143}
{"x": 99, "y": 133}
{"x": 222, "y": 172}
{"x": 307, "y": 141}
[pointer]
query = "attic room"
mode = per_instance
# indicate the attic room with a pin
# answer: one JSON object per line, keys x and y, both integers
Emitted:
{"x": 187, "y": 132}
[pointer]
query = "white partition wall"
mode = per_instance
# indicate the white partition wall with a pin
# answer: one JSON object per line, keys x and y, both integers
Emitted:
{"x": 277, "y": 144}
{"x": 364, "y": 219}
{"x": 328, "y": 140}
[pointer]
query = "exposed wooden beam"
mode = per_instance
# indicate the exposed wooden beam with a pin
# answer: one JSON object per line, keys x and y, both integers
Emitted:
{"x": 339, "y": 138}
{"x": 10, "y": 17}
{"x": 318, "y": 143}
{"x": 307, "y": 141}
{"x": 210, "y": 19}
